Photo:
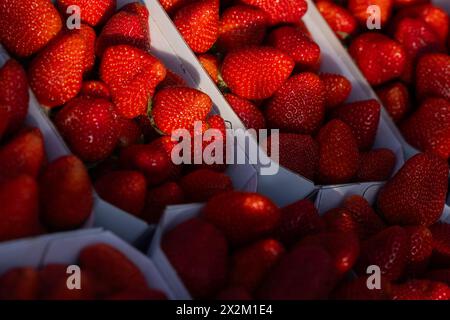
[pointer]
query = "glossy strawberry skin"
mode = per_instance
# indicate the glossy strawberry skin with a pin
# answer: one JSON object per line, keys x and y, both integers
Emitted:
{"x": 201, "y": 185}
{"x": 396, "y": 100}
{"x": 211, "y": 65}
{"x": 95, "y": 89}
{"x": 129, "y": 133}
{"x": 420, "y": 290}
{"x": 376, "y": 165}
{"x": 432, "y": 76}
{"x": 284, "y": 11}
{"x": 420, "y": 249}
{"x": 92, "y": 12}
{"x": 341, "y": 21}
{"x": 337, "y": 89}
{"x": 250, "y": 115}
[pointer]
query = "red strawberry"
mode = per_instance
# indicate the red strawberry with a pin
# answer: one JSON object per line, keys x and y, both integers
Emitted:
{"x": 251, "y": 264}
{"x": 19, "y": 210}
{"x": 14, "y": 95}
{"x": 211, "y": 65}
{"x": 92, "y": 12}
{"x": 421, "y": 290}
{"x": 132, "y": 76}
{"x": 340, "y": 20}
{"x": 338, "y": 153}
{"x": 19, "y": 284}
{"x": 282, "y": 11}
{"x": 26, "y": 26}
{"x": 198, "y": 23}
{"x": 4, "y": 120}
{"x": 203, "y": 184}
{"x": 298, "y": 106}
{"x": 127, "y": 27}
{"x": 171, "y": 80}
{"x": 172, "y": 6}
{"x": 95, "y": 89}
{"x": 299, "y": 220}
{"x": 376, "y": 165}
{"x": 242, "y": 217}
{"x": 65, "y": 194}
{"x": 234, "y": 294}
{"x": 363, "y": 117}
{"x": 159, "y": 198}
{"x": 256, "y": 72}
{"x": 178, "y": 108}
{"x": 129, "y": 132}
{"x": 396, "y": 100}
{"x": 341, "y": 220}
{"x": 441, "y": 275}
{"x": 199, "y": 254}
{"x": 249, "y": 114}
{"x": 89, "y": 36}
{"x": 124, "y": 189}
{"x": 387, "y": 250}
{"x": 372, "y": 50}
{"x": 416, "y": 194}
{"x": 23, "y": 155}
{"x": 305, "y": 273}
{"x": 405, "y": 3}
{"x": 293, "y": 42}
{"x": 241, "y": 26}
{"x": 90, "y": 128}
{"x": 433, "y": 76}
{"x": 420, "y": 249}
{"x": 441, "y": 244}
{"x": 357, "y": 289}
{"x": 359, "y": 10}
{"x": 337, "y": 89}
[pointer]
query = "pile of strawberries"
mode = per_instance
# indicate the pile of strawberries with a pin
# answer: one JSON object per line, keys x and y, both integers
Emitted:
{"x": 106, "y": 274}
{"x": 407, "y": 62}
{"x": 241, "y": 246}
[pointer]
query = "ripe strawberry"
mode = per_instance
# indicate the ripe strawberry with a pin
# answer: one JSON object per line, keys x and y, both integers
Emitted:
{"x": 132, "y": 76}
{"x": 211, "y": 65}
{"x": 23, "y": 155}
{"x": 65, "y": 194}
{"x": 89, "y": 37}
{"x": 298, "y": 106}
{"x": 298, "y": 153}
{"x": 338, "y": 153}
{"x": 249, "y": 114}
{"x": 234, "y": 294}
{"x": 242, "y": 217}
{"x": 396, "y": 100}
{"x": 92, "y": 12}
{"x": 305, "y": 273}
{"x": 420, "y": 249}
{"x": 129, "y": 132}
{"x": 357, "y": 289}
{"x": 293, "y": 42}
{"x": 441, "y": 275}
{"x": 337, "y": 89}
{"x": 199, "y": 254}
{"x": 359, "y": 10}
{"x": 124, "y": 189}
{"x": 172, "y": 6}
{"x": 299, "y": 220}
{"x": 428, "y": 128}
{"x": 90, "y": 128}
{"x": 372, "y": 50}
{"x": 376, "y": 165}
{"x": 198, "y": 23}
{"x": 95, "y": 89}
{"x": 201, "y": 185}
{"x": 251, "y": 264}
{"x": 282, "y": 11}
{"x": 340, "y": 20}
{"x": 171, "y": 80}
{"x": 416, "y": 194}
{"x": 159, "y": 198}
{"x": 405, "y": 3}
{"x": 420, "y": 290}
{"x": 26, "y": 26}
{"x": 387, "y": 250}
{"x": 178, "y": 108}
{"x": 19, "y": 284}
{"x": 19, "y": 210}
{"x": 241, "y": 26}
{"x": 14, "y": 94}
{"x": 256, "y": 72}
{"x": 441, "y": 245}
{"x": 341, "y": 220}
{"x": 432, "y": 76}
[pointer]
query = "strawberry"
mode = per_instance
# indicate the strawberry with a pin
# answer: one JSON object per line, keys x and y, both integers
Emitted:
{"x": 441, "y": 245}
{"x": 132, "y": 76}
{"x": 388, "y": 250}
{"x": 124, "y": 189}
{"x": 249, "y": 114}
{"x": 65, "y": 194}
{"x": 201, "y": 185}
{"x": 256, "y": 72}
{"x": 416, "y": 194}
{"x": 171, "y": 80}
{"x": 298, "y": 106}
{"x": 441, "y": 275}
{"x": 89, "y": 36}
{"x": 293, "y": 42}
{"x": 376, "y": 165}
{"x": 420, "y": 249}
{"x": 26, "y": 26}
{"x": 299, "y": 220}
{"x": 211, "y": 65}
{"x": 95, "y": 89}
{"x": 159, "y": 198}
{"x": 420, "y": 290}
{"x": 359, "y": 10}
{"x": 92, "y": 12}
{"x": 129, "y": 26}
{"x": 396, "y": 100}
{"x": 129, "y": 132}
{"x": 338, "y": 153}
{"x": 251, "y": 264}
{"x": 282, "y": 11}
{"x": 4, "y": 120}
{"x": 305, "y": 273}
{"x": 19, "y": 284}
{"x": 357, "y": 289}
{"x": 23, "y": 155}
{"x": 341, "y": 220}
{"x": 90, "y": 128}
{"x": 198, "y": 23}
{"x": 242, "y": 217}
{"x": 141, "y": 294}
{"x": 241, "y": 26}
{"x": 14, "y": 94}
{"x": 337, "y": 89}
{"x": 432, "y": 76}
{"x": 199, "y": 254}
{"x": 234, "y": 294}
{"x": 172, "y": 6}
{"x": 372, "y": 50}
{"x": 298, "y": 153}
{"x": 19, "y": 210}
{"x": 340, "y": 20}
{"x": 405, "y": 3}
{"x": 178, "y": 108}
